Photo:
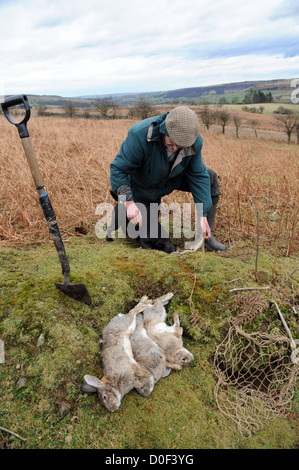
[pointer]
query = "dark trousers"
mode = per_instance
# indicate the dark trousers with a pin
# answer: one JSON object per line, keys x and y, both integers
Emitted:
{"x": 215, "y": 188}
{"x": 161, "y": 238}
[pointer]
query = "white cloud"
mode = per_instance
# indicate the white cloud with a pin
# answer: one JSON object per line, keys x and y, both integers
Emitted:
{"x": 94, "y": 46}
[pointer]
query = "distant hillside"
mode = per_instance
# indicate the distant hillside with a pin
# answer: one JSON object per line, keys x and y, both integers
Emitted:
{"x": 53, "y": 101}
{"x": 232, "y": 92}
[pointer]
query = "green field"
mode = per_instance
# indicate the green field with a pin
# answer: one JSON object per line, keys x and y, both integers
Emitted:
{"x": 269, "y": 108}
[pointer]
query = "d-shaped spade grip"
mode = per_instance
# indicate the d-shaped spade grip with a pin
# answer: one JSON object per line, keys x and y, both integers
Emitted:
{"x": 14, "y": 101}
{"x": 9, "y": 102}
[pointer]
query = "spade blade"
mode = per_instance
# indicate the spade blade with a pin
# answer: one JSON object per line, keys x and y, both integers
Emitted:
{"x": 76, "y": 291}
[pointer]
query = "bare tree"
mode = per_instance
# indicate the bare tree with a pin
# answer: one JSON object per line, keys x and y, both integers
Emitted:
{"x": 114, "y": 108}
{"x": 223, "y": 117}
{"x": 206, "y": 116}
{"x": 237, "y": 121}
{"x": 253, "y": 123}
{"x": 103, "y": 105}
{"x": 70, "y": 108}
{"x": 222, "y": 100}
{"x": 290, "y": 122}
{"x": 41, "y": 111}
{"x": 86, "y": 113}
{"x": 143, "y": 108}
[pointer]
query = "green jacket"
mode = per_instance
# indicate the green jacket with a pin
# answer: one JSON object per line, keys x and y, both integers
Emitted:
{"x": 142, "y": 166}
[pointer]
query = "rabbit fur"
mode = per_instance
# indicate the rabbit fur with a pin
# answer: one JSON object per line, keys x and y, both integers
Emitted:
{"x": 168, "y": 338}
{"x": 121, "y": 371}
{"x": 148, "y": 354}
{"x": 138, "y": 349}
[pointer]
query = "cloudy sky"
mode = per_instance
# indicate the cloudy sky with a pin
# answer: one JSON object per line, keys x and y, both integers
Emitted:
{"x": 81, "y": 47}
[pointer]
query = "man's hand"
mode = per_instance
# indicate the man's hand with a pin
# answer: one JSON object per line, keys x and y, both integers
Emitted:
{"x": 206, "y": 231}
{"x": 133, "y": 213}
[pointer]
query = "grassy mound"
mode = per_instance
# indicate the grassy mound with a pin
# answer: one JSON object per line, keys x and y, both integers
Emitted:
{"x": 51, "y": 341}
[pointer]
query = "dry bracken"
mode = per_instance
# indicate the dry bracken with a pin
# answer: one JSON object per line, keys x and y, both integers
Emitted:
{"x": 74, "y": 155}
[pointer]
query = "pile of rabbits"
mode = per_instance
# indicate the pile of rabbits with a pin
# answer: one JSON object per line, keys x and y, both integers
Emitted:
{"x": 138, "y": 349}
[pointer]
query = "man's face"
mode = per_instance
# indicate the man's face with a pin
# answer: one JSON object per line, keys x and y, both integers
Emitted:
{"x": 169, "y": 144}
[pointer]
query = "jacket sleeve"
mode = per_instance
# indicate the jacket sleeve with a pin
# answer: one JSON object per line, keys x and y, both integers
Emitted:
{"x": 198, "y": 179}
{"x": 129, "y": 158}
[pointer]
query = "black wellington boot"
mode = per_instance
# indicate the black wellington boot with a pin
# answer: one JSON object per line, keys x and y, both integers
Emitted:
{"x": 211, "y": 244}
{"x": 157, "y": 239}
{"x": 161, "y": 243}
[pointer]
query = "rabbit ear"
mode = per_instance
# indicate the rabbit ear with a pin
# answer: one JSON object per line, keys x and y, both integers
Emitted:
{"x": 139, "y": 372}
{"x": 139, "y": 319}
{"x": 178, "y": 332}
{"x": 166, "y": 373}
{"x": 178, "y": 329}
{"x": 88, "y": 389}
{"x": 93, "y": 381}
{"x": 164, "y": 299}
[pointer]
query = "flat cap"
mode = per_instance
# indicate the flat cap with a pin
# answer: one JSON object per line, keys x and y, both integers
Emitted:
{"x": 182, "y": 126}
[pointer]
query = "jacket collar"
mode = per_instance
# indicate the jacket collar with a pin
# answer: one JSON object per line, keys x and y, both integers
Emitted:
{"x": 184, "y": 152}
{"x": 156, "y": 129}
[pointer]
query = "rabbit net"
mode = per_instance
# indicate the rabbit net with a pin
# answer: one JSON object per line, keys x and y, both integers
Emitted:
{"x": 256, "y": 376}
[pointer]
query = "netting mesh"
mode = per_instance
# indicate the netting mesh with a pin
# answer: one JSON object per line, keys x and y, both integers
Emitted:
{"x": 256, "y": 376}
